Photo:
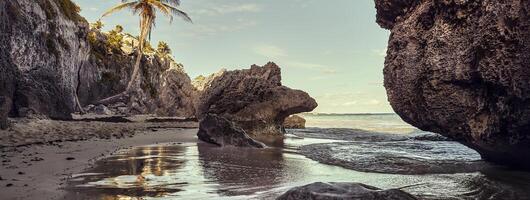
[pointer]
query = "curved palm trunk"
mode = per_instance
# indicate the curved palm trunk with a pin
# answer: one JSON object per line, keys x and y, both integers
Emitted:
{"x": 146, "y": 22}
{"x": 135, "y": 73}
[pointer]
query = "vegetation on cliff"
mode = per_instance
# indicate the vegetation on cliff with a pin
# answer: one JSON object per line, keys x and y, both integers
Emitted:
{"x": 147, "y": 12}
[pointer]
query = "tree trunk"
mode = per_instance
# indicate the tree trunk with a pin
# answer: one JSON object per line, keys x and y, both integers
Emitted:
{"x": 136, "y": 71}
{"x": 146, "y": 22}
{"x": 4, "y": 111}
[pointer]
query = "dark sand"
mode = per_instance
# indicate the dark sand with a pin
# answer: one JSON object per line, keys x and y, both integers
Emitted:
{"x": 36, "y": 163}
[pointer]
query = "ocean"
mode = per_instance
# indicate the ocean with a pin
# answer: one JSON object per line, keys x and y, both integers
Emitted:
{"x": 387, "y": 123}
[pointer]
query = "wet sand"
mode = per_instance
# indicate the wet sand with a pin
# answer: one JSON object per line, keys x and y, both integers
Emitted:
{"x": 169, "y": 163}
{"x": 38, "y": 167}
{"x": 202, "y": 171}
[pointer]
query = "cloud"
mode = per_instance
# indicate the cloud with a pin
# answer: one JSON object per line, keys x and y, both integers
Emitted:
{"x": 229, "y": 9}
{"x": 270, "y": 51}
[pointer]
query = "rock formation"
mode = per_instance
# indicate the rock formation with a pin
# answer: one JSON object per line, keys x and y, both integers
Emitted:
{"x": 43, "y": 47}
{"x": 201, "y": 82}
{"x": 254, "y": 99}
{"x": 461, "y": 69}
{"x": 165, "y": 88}
{"x": 338, "y": 191}
{"x": 49, "y": 57}
{"x": 219, "y": 130}
{"x": 294, "y": 122}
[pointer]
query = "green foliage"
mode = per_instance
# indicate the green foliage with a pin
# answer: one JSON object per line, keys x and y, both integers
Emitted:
{"x": 163, "y": 49}
{"x": 148, "y": 48}
{"x": 114, "y": 40}
{"x": 98, "y": 25}
{"x": 70, "y": 10}
{"x": 118, "y": 28}
{"x": 66, "y": 7}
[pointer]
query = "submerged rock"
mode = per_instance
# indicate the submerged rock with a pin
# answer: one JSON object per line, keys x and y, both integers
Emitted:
{"x": 397, "y": 157}
{"x": 344, "y": 191}
{"x": 254, "y": 99}
{"x": 294, "y": 122}
{"x": 460, "y": 68}
{"x": 218, "y": 130}
{"x": 99, "y": 110}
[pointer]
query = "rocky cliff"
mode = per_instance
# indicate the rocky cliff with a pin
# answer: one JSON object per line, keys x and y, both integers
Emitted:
{"x": 43, "y": 46}
{"x": 165, "y": 88}
{"x": 461, "y": 69}
{"x": 254, "y": 99}
{"x": 48, "y": 58}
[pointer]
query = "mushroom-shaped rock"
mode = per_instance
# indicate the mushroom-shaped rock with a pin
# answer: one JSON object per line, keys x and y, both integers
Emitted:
{"x": 254, "y": 100}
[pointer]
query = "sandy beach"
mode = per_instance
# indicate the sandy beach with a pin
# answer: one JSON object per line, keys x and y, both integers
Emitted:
{"x": 36, "y": 167}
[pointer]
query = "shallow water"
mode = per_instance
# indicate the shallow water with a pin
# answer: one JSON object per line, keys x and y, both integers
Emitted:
{"x": 201, "y": 171}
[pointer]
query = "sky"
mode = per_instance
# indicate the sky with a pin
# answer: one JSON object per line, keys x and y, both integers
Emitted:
{"x": 334, "y": 50}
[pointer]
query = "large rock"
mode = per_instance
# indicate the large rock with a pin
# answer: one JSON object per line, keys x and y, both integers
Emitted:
{"x": 294, "y": 122}
{"x": 254, "y": 99}
{"x": 218, "y": 130}
{"x": 461, "y": 69}
{"x": 42, "y": 48}
{"x": 344, "y": 191}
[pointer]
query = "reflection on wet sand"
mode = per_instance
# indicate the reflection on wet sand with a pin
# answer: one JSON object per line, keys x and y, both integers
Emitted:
{"x": 131, "y": 173}
{"x": 202, "y": 171}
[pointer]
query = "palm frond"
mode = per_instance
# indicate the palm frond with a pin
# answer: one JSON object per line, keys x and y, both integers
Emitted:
{"x": 120, "y": 7}
{"x": 179, "y": 13}
{"x": 164, "y": 9}
{"x": 174, "y": 3}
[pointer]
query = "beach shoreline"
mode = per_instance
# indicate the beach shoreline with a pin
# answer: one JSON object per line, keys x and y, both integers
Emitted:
{"x": 36, "y": 168}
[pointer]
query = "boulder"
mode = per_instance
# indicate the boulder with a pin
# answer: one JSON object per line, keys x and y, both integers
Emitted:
{"x": 344, "y": 191}
{"x": 254, "y": 100}
{"x": 294, "y": 122}
{"x": 461, "y": 69}
{"x": 220, "y": 131}
{"x": 99, "y": 110}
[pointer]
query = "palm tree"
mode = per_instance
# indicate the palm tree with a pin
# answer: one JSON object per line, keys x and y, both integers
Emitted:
{"x": 147, "y": 10}
{"x": 163, "y": 49}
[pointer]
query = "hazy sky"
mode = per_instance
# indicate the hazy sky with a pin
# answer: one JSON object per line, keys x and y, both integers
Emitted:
{"x": 334, "y": 50}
